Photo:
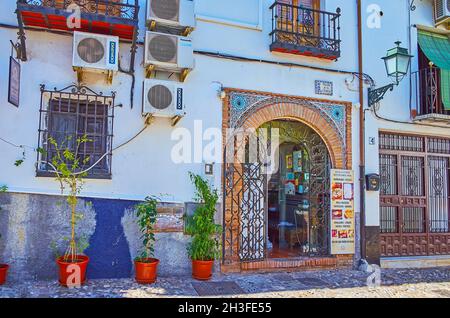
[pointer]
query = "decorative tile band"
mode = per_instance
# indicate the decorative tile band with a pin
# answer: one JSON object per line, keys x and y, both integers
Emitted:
{"x": 244, "y": 104}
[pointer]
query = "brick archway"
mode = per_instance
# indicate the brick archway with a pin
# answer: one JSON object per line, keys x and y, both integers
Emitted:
{"x": 307, "y": 116}
{"x": 243, "y": 109}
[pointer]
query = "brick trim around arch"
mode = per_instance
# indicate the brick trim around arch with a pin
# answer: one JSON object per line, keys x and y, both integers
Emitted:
{"x": 289, "y": 107}
{"x": 276, "y": 106}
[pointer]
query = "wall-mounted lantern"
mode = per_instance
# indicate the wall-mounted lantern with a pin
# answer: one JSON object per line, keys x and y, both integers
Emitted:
{"x": 397, "y": 61}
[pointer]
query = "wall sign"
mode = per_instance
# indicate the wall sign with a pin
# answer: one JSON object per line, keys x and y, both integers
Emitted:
{"x": 342, "y": 212}
{"x": 14, "y": 82}
{"x": 324, "y": 88}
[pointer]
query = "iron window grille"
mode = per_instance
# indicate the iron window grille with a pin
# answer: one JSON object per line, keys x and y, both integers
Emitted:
{"x": 71, "y": 113}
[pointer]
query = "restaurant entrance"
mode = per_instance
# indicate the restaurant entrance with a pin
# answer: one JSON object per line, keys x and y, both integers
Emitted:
{"x": 298, "y": 193}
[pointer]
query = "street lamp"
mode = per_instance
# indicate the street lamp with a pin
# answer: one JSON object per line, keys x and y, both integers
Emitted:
{"x": 397, "y": 61}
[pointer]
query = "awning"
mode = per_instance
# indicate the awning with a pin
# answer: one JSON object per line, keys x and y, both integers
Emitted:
{"x": 437, "y": 49}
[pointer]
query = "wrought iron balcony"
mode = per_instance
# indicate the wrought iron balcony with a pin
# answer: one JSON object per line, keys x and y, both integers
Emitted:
{"x": 115, "y": 17}
{"x": 304, "y": 31}
{"x": 427, "y": 96}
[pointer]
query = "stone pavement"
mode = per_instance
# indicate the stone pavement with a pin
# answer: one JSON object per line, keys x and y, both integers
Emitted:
{"x": 433, "y": 282}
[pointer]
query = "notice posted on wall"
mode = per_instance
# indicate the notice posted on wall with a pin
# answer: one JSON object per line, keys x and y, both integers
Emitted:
{"x": 342, "y": 212}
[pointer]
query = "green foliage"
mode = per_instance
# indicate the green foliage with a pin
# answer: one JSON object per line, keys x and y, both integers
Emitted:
{"x": 19, "y": 162}
{"x": 146, "y": 213}
{"x": 68, "y": 168}
{"x": 205, "y": 244}
{"x": 83, "y": 244}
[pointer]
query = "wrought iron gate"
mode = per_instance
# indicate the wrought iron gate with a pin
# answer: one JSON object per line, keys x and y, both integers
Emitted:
{"x": 245, "y": 208}
{"x": 245, "y": 212}
{"x": 319, "y": 197}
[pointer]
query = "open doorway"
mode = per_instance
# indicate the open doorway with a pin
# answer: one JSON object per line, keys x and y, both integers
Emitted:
{"x": 298, "y": 198}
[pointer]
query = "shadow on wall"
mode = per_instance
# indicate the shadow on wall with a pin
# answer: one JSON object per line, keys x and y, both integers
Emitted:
{"x": 30, "y": 224}
{"x": 108, "y": 248}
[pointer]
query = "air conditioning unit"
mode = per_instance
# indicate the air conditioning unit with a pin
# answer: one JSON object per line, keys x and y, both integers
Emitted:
{"x": 172, "y": 13}
{"x": 163, "y": 99}
{"x": 95, "y": 51}
{"x": 442, "y": 12}
{"x": 168, "y": 52}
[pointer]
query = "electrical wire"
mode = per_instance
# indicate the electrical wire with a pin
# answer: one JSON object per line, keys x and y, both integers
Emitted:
{"x": 93, "y": 165}
{"x": 404, "y": 122}
{"x": 131, "y": 139}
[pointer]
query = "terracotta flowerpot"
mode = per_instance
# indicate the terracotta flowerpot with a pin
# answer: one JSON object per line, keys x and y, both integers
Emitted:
{"x": 202, "y": 270}
{"x": 146, "y": 270}
{"x": 413, "y": 113}
{"x": 68, "y": 270}
{"x": 3, "y": 271}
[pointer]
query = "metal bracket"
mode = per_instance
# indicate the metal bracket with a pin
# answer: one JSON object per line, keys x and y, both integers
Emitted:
{"x": 109, "y": 77}
{"x": 79, "y": 71}
{"x": 21, "y": 48}
{"x": 176, "y": 120}
{"x": 376, "y": 95}
{"x": 80, "y": 75}
{"x": 17, "y": 48}
{"x": 187, "y": 31}
{"x": 149, "y": 70}
{"x": 152, "y": 25}
{"x": 148, "y": 119}
{"x": 184, "y": 73}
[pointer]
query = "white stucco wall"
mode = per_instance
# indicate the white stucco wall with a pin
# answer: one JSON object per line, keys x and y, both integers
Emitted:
{"x": 396, "y": 105}
{"x": 144, "y": 166}
{"x": 239, "y": 28}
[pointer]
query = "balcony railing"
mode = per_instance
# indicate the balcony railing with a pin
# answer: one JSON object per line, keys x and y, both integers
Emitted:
{"x": 427, "y": 92}
{"x": 126, "y": 9}
{"x": 304, "y": 31}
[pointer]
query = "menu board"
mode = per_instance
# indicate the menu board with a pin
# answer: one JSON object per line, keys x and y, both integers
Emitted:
{"x": 342, "y": 212}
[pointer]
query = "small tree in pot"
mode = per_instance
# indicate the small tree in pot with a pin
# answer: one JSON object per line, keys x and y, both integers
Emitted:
{"x": 146, "y": 265}
{"x": 3, "y": 267}
{"x": 205, "y": 246}
{"x": 68, "y": 167}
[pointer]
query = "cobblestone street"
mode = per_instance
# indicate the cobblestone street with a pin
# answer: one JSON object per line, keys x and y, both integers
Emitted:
{"x": 340, "y": 283}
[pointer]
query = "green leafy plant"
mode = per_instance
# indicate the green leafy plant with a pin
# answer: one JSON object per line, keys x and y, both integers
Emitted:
{"x": 205, "y": 244}
{"x": 68, "y": 167}
{"x": 19, "y": 162}
{"x": 82, "y": 245}
{"x": 146, "y": 213}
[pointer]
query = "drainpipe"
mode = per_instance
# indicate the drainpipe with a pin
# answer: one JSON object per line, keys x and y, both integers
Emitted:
{"x": 362, "y": 157}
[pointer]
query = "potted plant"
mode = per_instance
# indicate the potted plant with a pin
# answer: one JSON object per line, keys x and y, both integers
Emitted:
{"x": 145, "y": 264}
{"x": 69, "y": 171}
{"x": 205, "y": 246}
{"x": 3, "y": 267}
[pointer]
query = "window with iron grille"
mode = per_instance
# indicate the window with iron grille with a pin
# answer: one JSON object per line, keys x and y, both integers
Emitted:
{"x": 70, "y": 114}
